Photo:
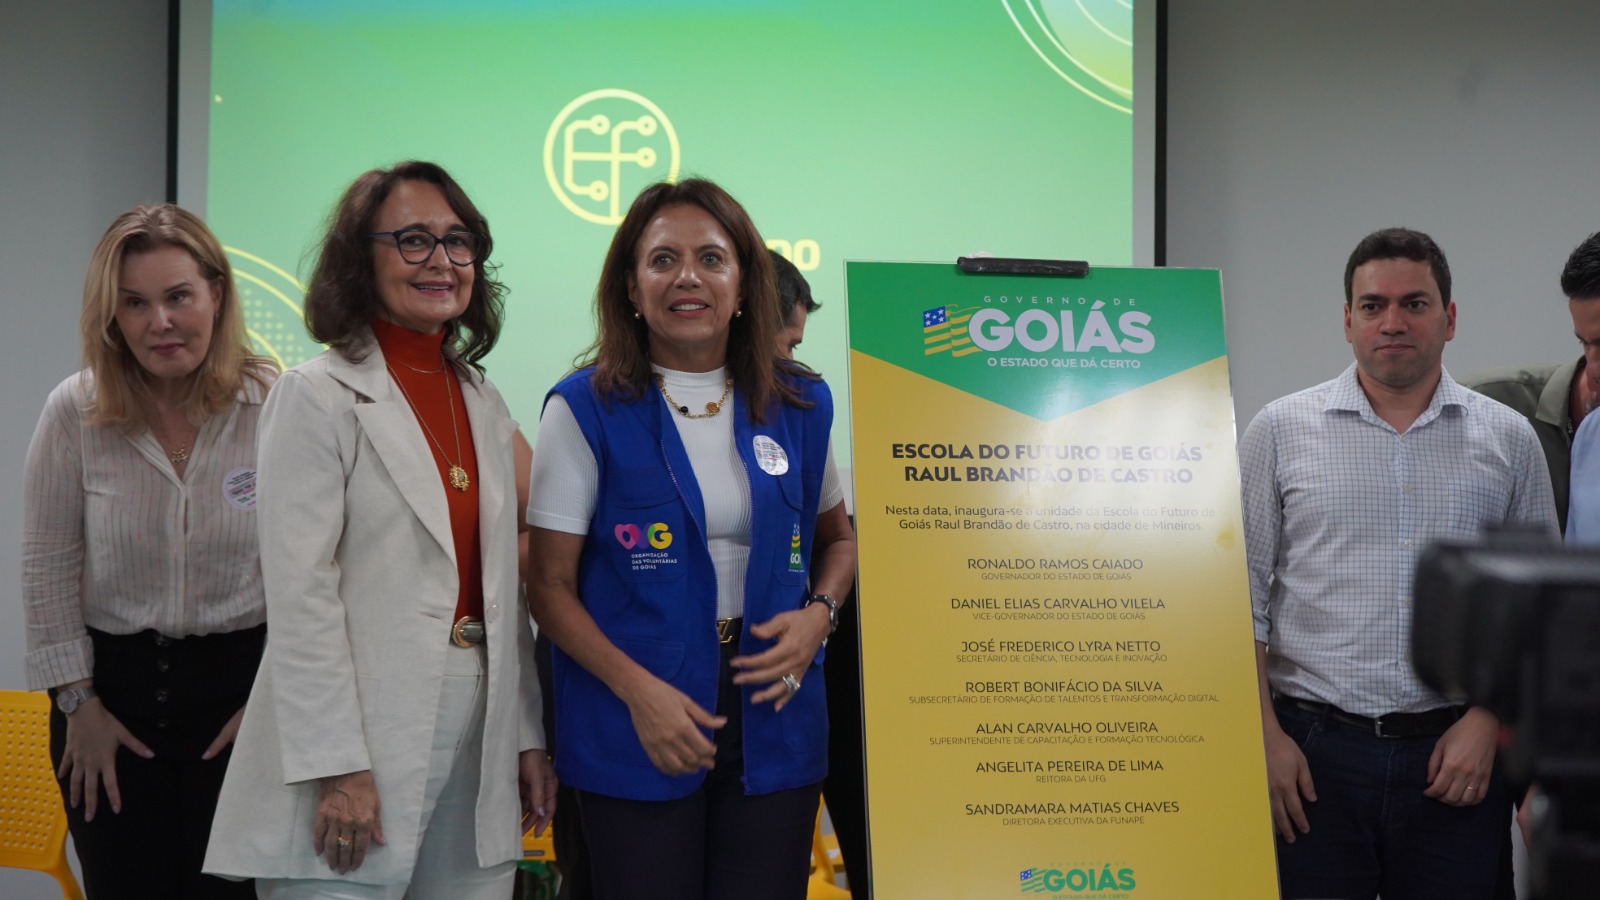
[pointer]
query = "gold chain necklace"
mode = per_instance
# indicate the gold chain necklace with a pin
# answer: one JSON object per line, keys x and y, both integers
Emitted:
{"x": 458, "y": 475}
{"x": 442, "y": 363}
{"x": 712, "y": 407}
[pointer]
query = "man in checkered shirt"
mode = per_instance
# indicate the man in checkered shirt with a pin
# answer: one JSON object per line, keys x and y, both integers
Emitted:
{"x": 1378, "y": 783}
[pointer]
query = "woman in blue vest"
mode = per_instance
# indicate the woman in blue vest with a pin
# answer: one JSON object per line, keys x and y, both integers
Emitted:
{"x": 688, "y": 553}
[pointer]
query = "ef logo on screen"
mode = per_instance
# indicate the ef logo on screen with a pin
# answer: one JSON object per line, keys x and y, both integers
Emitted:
{"x": 603, "y": 148}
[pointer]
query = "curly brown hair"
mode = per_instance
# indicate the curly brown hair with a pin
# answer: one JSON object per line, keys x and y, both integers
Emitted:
{"x": 342, "y": 298}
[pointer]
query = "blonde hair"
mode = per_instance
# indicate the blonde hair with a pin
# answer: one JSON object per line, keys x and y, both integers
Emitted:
{"x": 122, "y": 394}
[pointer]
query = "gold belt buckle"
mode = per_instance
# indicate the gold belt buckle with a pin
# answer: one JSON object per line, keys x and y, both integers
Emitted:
{"x": 466, "y": 632}
{"x": 727, "y": 630}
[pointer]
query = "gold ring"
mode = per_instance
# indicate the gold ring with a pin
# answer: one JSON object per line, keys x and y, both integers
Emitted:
{"x": 344, "y": 842}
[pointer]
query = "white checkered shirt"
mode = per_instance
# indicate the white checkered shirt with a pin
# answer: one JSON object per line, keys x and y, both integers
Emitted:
{"x": 1337, "y": 506}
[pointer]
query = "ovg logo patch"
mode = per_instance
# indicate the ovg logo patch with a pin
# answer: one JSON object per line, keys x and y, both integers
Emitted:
{"x": 603, "y": 148}
{"x": 656, "y": 535}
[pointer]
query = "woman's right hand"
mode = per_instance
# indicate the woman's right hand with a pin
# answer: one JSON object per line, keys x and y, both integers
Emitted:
{"x": 90, "y": 757}
{"x": 668, "y": 724}
{"x": 347, "y": 820}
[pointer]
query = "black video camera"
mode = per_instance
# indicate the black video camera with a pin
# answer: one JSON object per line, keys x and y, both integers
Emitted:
{"x": 1512, "y": 623}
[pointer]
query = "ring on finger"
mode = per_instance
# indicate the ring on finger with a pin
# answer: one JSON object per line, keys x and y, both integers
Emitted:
{"x": 792, "y": 683}
{"x": 344, "y": 843}
{"x": 1471, "y": 787}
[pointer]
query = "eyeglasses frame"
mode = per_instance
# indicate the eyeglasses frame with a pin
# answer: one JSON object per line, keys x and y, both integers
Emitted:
{"x": 477, "y": 257}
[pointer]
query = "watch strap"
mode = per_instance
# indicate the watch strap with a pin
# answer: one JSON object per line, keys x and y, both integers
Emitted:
{"x": 833, "y": 609}
{"x": 69, "y": 699}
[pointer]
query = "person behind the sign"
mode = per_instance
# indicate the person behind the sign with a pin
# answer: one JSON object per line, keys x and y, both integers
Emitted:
{"x": 795, "y": 304}
{"x": 683, "y": 479}
{"x": 845, "y": 789}
{"x": 141, "y": 578}
{"x": 397, "y": 709}
{"x": 1378, "y": 784}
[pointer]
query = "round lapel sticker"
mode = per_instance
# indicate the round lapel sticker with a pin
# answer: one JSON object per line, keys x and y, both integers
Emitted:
{"x": 770, "y": 456}
{"x": 239, "y": 488}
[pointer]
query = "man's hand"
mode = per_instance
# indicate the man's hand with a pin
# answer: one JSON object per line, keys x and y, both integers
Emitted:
{"x": 1288, "y": 780}
{"x": 1463, "y": 759}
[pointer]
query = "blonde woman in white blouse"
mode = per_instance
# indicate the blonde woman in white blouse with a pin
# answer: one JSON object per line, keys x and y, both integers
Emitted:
{"x": 141, "y": 574}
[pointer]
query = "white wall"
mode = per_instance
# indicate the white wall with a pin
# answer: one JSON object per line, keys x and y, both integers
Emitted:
{"x": 82, "y": 137}
{"x": 1295, "y": 128}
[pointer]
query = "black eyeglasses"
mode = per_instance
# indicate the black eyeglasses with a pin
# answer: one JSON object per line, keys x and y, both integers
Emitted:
{"x": 463, "y": 248}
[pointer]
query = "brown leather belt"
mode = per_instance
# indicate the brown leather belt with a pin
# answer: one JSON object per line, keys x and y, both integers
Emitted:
{"x": 1432, "y": 723}
{"x": 467, "y": 632}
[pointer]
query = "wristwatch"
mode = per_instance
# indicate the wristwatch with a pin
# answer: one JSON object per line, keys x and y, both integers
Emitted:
{"x": 833, "y": 609}
{"x": 69, "y": 699}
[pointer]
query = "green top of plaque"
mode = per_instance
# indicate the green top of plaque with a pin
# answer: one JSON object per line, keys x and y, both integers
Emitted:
{"x": 1043, "y": 346}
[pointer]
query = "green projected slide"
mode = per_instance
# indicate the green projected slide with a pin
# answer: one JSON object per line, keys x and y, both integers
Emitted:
{"x": 851, "y": 129}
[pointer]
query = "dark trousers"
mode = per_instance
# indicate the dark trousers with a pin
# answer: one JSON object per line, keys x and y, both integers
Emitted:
{"x": 175, "y": 696}
{"x": 715, "y": 844}
{"x": 572, "y": 854}
{"x": 1372, "y": 830}
{"x": 846, "y": 786}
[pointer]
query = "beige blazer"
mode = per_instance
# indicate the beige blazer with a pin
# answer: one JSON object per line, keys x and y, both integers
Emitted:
{"x": 361, "y": 583}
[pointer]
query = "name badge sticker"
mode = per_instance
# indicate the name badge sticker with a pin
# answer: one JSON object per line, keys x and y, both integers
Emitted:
{"x": 770, "y": 456}
{"x": 239, "y": 488}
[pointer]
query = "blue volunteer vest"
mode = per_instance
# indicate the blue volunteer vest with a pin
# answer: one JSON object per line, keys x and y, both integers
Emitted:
{"x": 646, "y": 577}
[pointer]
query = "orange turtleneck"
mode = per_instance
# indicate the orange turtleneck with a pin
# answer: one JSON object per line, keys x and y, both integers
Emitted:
{"x": 416, "y": 362}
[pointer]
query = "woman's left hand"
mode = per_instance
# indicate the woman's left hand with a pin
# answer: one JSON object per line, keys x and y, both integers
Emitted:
{"x": 225, "y": 736}
{"x": 799, "y": 633}
{"x": 536, "y": 781}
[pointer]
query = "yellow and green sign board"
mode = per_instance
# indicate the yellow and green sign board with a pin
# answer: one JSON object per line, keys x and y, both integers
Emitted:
{"x": 1058, "y": 664}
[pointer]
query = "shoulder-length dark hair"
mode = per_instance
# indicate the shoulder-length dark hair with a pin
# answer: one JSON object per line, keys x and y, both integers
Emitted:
{"x": 342, "y": 298}
{"x": 121, "y": 385}
{"x": 621, "y": 349}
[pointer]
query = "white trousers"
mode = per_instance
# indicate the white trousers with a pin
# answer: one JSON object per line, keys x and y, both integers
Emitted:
{"x": 447, "y": 862}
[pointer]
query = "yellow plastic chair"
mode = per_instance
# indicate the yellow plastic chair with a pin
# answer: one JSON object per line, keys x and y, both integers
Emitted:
{"x": 825, "y": 865}
{"x": 33, "y": 821}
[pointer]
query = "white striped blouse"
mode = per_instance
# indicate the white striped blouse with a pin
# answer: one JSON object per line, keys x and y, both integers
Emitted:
{"x": 112, "y": 539}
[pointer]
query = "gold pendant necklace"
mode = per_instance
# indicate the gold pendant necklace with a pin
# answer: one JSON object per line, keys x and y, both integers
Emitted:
{"x": 442, "y": 363}
{"x": 458, "y": 475}
{"x": 179, "y": 455}
{"x": 712, "y": 407}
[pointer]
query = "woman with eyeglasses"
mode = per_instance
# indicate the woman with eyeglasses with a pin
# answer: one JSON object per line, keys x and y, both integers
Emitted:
{"x": 396, "y": 720}
{"x": 141, "y": 580}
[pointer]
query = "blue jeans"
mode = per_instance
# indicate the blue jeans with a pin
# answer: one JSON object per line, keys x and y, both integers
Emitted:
{"x": 1372, "y": 831}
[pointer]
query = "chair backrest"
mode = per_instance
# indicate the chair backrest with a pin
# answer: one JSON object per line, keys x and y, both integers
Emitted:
{"x": 33, "y": 820}
{"x": 824, "y": 867}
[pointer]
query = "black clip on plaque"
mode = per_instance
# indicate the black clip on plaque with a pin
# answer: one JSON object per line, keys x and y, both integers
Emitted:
{"x": 996, "y": 265}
